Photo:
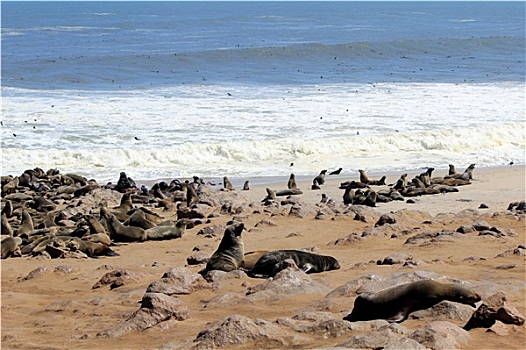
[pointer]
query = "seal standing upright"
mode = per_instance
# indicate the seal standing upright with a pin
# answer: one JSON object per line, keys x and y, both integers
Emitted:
{"x": 291, "y": 184}
{"x": 229, "y": 254}
{"x": 227, "y": 185}
{"x": 396, "y": 303}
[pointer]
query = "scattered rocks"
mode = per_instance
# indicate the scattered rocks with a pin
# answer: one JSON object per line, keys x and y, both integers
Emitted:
{"x": 494, "y": 308}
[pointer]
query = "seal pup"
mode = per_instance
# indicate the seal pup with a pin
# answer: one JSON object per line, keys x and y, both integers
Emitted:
{"x": 229, "y": 255}
{"x": 396, "y": 303}
{"x": 11, "y": 247}
{"x": 307, "y": 262}
{"x": 291, "y": 184}
{"x": 227, "y": 185}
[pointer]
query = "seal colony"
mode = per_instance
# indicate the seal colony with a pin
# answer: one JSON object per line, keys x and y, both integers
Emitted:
{"x": 198, "y": 226}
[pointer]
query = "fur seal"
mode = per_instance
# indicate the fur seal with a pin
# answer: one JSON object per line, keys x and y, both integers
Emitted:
{"x": 246, "y": 186}
{"x": 138, "y": 219}
{"x": 291, "y": 184}
{"x": 94, "y": 225}
{"x": 336, "y": 172}
{"x": 125, "y": 204}
{"x": 227, "y": 185}
{"x": 229, "y": 254}
{"x": 6, "y": 228}
{"x": 251, "y": 258}
{"x": 119, "y": 232}
{"x": 167, "y": 232}
{"x": 91, "y": 249}
{"x": 10, "y": 247}
{"x": 308, "y": 262}
{"x": 191, "y": 196}
{"x": 396, "y": 303}
{"x": 26, "y": 225}
{"x": 366, "y": 180}
{"x": 8, "y": 209}
{"x": 271, "y": 195}
{"x": 320, "y": 179}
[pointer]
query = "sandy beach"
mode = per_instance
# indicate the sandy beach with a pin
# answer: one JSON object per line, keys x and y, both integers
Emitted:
{"x": 51, "y": 303}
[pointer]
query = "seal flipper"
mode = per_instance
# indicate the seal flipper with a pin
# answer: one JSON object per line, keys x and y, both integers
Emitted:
{"x": 400, "y": 315}
{"x": 307, "y": 267}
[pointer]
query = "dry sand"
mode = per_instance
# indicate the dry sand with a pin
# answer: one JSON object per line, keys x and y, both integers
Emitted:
{"x": 61, "y": 310}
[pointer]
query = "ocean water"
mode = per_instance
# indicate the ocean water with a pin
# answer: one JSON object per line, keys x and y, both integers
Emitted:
{"x": 244, "y": 89}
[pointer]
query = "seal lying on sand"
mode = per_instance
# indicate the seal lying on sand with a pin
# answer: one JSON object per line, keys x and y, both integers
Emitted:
{"x": 396, "y": 303}
{"x": 229, "y": 254}
{"x": 308, "y": 262}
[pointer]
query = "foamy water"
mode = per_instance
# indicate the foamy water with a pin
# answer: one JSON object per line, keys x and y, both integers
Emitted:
{"x": 258, "y": 131}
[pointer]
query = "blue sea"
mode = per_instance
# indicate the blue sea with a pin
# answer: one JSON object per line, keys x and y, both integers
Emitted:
{"x": 244, "y": 89}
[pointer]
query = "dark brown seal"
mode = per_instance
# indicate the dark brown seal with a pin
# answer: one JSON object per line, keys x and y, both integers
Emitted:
{"x": 291, "y": 184}
{"x": 251, "y": 258}
{"x": 229, "y": 254}
{"x": 396, "y": 303}
{"x": 308, "y": 262}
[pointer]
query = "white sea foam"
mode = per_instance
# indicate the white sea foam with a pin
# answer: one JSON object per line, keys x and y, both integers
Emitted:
{"x": 259, "y": 131}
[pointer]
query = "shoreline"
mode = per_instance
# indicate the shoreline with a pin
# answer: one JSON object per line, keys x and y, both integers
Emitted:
{"x": 495, "y": 186}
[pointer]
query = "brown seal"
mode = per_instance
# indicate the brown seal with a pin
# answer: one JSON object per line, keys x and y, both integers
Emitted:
{"x": 26, "y": 225}
{"x": 167, "y": 232}
{"x": 119, "y": 232}
{"x": 6, "y": 228}
{"x": 246, "y": 186}
{"x": 227, "y": 185}
{"x": 251, "y": 258}
{"x": 91, "y": 249}
{"x": 11, "y": 247}
{"x": 308, "y": 262}
{"x": 396, "y": 303}
{"x": 366, "y": 180}
{"x": 229, "y": 254}
{"x": 138, "y": 219}
{"x": 291, "y": 184}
